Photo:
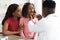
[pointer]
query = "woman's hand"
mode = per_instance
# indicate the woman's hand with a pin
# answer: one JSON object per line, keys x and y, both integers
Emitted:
{"x": 20, "y": 28}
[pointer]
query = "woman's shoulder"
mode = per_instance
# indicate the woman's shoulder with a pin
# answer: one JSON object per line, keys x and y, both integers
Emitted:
{"x": 8, "y": 20}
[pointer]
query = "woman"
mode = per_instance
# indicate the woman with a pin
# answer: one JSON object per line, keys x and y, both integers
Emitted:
{"x": 10, "y": 22}
{"x": 28, "y": 13}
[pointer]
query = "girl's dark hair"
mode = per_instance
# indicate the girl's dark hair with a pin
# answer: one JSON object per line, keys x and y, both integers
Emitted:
{"x": 12, "y": 8}
{"x": 25, "y": 9}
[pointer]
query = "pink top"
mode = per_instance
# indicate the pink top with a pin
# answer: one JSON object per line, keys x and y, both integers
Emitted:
{"x": 25, "y": 32}
{"x": 12, "y": 24}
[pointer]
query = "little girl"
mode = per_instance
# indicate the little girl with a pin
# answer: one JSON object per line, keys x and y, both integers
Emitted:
{"x": 28, "y": 12}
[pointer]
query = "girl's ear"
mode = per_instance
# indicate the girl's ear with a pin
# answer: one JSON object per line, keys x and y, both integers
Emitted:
{"x": 13, "y": 14}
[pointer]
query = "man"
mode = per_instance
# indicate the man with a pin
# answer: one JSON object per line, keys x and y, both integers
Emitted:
{"x": 49, "y": 26}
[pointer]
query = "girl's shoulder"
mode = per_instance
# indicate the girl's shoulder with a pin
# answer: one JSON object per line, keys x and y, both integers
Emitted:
{"x": 22, "y": 18}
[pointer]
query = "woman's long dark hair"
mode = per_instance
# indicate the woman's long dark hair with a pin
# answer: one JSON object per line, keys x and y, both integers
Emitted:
{"x": 12, "y": 8}
{"x": 25, "y": 9}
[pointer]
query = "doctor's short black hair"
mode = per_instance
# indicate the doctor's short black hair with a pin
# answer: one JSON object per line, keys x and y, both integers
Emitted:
{"x": 49, "y": 4}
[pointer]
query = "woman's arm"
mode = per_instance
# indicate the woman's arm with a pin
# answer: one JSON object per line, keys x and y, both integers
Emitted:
{"x": 21, "y": 29}
{"x": 6, "y": 32}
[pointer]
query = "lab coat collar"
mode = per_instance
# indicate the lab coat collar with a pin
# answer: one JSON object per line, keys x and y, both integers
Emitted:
{"x": 52, "y": 15}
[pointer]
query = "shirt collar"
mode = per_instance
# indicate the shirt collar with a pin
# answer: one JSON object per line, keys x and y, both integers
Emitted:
{"x": 52, "y": 15}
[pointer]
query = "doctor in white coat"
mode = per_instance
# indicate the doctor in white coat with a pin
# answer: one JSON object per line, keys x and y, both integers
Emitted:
{"x": 49, "y": 26}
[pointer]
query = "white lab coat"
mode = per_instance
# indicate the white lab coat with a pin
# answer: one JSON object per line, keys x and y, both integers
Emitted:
{"x": 48, "y": 28}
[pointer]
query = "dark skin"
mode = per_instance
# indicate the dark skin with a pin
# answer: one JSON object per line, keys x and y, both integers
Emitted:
{"x": 39, "y": 16}
{"x": 43, "y": 1}
{"x": 5, "y": 30}
{"x": 47, "y": 11}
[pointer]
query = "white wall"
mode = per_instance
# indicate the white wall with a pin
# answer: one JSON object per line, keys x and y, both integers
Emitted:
{"x": 57, "y": 7}
{"x": 5, "y": 3}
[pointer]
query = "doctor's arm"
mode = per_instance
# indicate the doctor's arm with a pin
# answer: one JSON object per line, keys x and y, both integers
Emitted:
{"x": 39, "y": 27}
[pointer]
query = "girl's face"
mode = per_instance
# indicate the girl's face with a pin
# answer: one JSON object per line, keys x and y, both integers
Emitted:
{"x": 17, "y": 13}
{"x": 31, "y": 9}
